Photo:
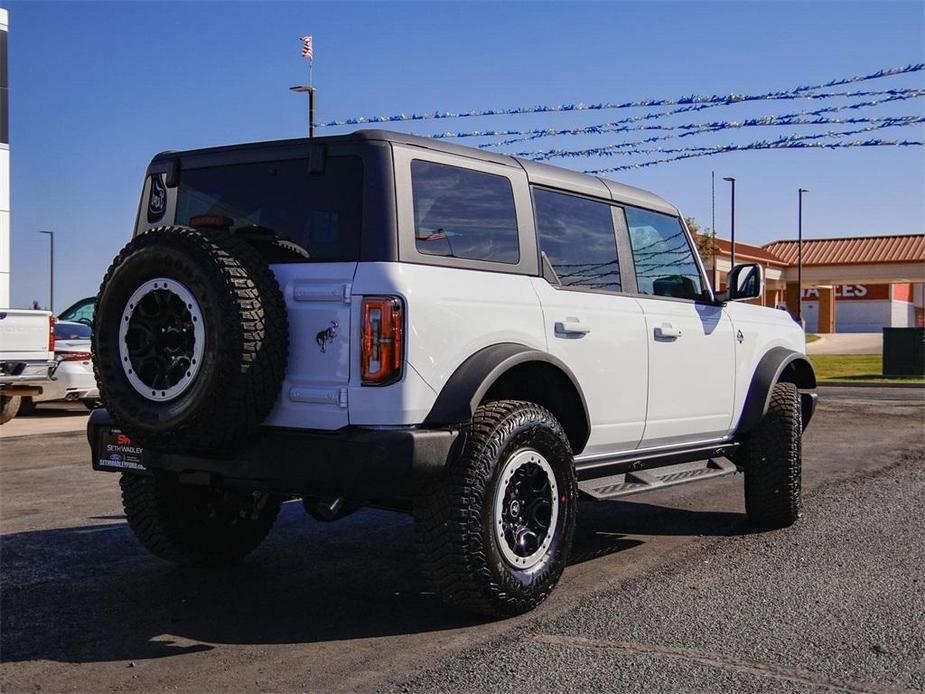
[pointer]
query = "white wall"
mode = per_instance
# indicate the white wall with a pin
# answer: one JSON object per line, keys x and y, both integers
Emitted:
{"x": 4, "y": 205}
{"x": 4, "y": 226}
{"x": 862, "y": 316}
{"x": 903, "y": 315}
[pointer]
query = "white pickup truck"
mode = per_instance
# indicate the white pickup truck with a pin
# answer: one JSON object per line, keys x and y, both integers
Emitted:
{"x": 27, "y": 356}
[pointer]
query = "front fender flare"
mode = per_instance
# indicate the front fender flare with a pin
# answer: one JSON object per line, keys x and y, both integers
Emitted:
{"x": 778, "y": 364}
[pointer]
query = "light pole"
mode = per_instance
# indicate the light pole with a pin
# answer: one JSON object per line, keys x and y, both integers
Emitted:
{"x": 732, "y": 232}
{"x": 303, "y": 88}
{"x": 51, "y": 273}
{"x": 800, "y": 255}
{"x": 713, "y": 227}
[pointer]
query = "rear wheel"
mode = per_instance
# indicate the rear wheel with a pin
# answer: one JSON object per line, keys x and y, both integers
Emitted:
{"x": 495, "y": 532}
{"x": 9, "y": 407}
{"x": 773, "y": 461}
{"x": 196, "y": 525}
{"x": 26, "y": 406}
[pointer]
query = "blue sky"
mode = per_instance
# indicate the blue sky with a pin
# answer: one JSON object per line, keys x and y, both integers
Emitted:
{"x": 97, "y": 88}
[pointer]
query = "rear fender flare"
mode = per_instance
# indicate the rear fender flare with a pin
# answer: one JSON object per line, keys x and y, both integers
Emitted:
{"x": 466, "y": 388}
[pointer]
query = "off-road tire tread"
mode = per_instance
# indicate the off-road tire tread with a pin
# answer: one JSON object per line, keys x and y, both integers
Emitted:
{"x": 258, "y": 322}
{"x": 448, "y": 516}
{"x": 155, "y": 514}
{"x": 773, "y": 463}
{"x": 9, "y": 407}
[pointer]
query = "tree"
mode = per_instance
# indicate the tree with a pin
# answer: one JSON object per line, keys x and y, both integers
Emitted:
{"x": 702, "y": 239}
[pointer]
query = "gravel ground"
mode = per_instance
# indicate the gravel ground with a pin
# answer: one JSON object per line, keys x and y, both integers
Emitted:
{"x": 753, "y": 613}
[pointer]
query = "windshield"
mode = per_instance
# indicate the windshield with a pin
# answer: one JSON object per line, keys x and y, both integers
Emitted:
{"x": 321, "y": 212}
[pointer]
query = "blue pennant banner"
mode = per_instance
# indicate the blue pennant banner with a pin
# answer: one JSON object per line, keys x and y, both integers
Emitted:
{"x": 538, "y": 133}
{"x": 616, "y": 126}
{"x": 788, "y": 144}
{"x": 693, "y": 99}
{"x": 802, "y": 118}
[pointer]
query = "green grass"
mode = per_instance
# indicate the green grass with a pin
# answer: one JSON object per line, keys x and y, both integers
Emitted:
{"x": 811, "y": 337}
{"x": 854, "y": 367}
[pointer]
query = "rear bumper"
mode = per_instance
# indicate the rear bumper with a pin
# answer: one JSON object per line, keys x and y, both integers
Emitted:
{"x": 25, "y": 377}
{"x": 361, "y": 464}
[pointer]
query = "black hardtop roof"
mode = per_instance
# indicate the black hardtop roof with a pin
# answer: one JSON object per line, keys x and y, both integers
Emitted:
{"x": 538, "y": 173}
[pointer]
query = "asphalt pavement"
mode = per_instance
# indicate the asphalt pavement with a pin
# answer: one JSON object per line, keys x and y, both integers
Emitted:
{"x": 668, "y": 591}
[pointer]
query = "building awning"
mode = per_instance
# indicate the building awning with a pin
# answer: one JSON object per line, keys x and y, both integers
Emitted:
{"x": 906, "y": 248}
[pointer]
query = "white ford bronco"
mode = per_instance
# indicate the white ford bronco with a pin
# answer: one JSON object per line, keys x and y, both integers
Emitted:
{"x": 386, "y": 320}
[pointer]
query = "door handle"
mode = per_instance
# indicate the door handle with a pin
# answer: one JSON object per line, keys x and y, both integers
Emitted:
{"x": 572, "y": 326}
{"x": 666, "y": 331}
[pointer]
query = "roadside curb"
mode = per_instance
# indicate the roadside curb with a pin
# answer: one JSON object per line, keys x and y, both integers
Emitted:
{"x": 867, "y": 384}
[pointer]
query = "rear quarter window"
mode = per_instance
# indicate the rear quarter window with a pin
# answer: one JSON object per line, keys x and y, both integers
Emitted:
{"x": 460, "y": 213}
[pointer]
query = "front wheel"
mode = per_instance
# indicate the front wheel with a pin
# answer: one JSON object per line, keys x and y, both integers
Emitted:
{"x": 494, "y": 533}
{"x": 773, "y": 461}
{"x": 196, "y": 525}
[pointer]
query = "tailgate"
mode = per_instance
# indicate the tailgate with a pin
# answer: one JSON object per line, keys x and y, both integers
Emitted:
{"x": 24, "y": 335}
{"x": 314, "y": 392}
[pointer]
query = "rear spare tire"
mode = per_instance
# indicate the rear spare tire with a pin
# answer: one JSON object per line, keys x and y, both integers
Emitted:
{"x": 190, "y": 340}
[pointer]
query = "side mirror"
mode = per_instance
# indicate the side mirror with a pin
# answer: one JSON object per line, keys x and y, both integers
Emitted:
{"x": 744, "y": 282}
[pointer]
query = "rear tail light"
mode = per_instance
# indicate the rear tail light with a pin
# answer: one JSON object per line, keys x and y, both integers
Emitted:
{"x": 74, "y": 356}
{"x": 51, "y": 333}
{"x": 382, "y": 349}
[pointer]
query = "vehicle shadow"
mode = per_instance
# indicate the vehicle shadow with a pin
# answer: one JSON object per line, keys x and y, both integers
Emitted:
{"x": 55, "y": 410}
{"x": 91, "y": 593}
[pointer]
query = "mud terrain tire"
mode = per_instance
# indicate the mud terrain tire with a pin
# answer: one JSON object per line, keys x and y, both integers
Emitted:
{"x": 773, "y": 462}
{"x": 196, "y": 525}
{"x": 200, "y": 317}
{"x": 461, "y": 552}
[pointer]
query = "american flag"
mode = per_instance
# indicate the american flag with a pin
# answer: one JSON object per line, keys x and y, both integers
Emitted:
{"x": 307, "y": 47}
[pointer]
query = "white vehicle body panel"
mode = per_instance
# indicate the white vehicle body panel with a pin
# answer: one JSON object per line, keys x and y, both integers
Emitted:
{"x": 451, "y": 314}
{"x": 609, "y": 361}
{"x": 24, "y": 335}
{"x": 318, "y": 297}
{"x": 71, "y": 380}
{"x": 691, "y": 373}
{"x": 762, "y": 329}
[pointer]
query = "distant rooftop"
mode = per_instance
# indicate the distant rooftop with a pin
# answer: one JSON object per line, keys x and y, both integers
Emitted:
{"x": 905, "y": 248}
{"x": 746, "y": 251}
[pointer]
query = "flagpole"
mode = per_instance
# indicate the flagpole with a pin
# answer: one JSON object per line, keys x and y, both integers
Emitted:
{"x": 310, "y": 88}
{"x": 311, "y": 97}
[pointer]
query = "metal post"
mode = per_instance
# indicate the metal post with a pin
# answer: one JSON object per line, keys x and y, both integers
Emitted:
{"x": 311, "y": 112}
{"x": 800, "y": 255}
{"x": 311, "y": 105}
{"x": 713, "y": 226}
{"x": 732, "y": 252}
{"x": 51, "y": 280}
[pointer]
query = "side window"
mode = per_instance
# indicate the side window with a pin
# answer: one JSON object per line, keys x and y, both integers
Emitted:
{"x": 577, "y": 236}
{"x": 665, "y": 264}
{"x": 459, "y": 213}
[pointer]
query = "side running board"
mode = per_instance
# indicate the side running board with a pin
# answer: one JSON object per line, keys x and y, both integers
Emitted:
{"x": 633, "y": 482}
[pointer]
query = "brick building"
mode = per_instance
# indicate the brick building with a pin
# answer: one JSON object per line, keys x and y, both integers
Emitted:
{"x": 858, "y": 284}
